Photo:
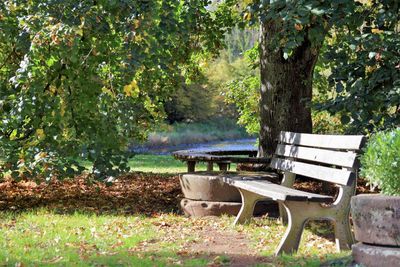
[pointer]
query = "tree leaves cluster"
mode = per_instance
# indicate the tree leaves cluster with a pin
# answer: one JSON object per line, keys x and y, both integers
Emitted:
{"x": 365, "y": 69}
{"x": 357, "y": 45}
{"x": 79, "y": 80}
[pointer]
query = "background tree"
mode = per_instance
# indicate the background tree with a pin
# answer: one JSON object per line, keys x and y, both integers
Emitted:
{"x": 292, "y": 35}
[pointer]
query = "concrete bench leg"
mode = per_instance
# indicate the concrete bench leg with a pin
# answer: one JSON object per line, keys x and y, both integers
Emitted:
{"x": 249, "y": 201}
{"x": 343, "y": 236}
{"x": 291, "y": 240}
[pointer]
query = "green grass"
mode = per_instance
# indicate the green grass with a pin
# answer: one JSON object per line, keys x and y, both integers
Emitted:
{"x": 156, "y": 164}
{"x": 159, "y": 164}
{"x": 164, "y": 164}
{"x": 44, "y": 238}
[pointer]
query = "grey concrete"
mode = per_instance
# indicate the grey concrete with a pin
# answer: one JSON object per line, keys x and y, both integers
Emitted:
{"x": 200, "y": 208}
{"x": 376, "y": 219}
{"x": 371, "y": 256}
{"x": 208, "y": 188}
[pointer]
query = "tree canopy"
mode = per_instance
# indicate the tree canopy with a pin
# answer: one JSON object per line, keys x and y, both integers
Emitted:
{"x": 80, "y": 79}
{"x": 353, "y": 44}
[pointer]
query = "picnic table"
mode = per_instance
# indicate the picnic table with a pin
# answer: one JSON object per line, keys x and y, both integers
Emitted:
{"x": 222, "y": 157}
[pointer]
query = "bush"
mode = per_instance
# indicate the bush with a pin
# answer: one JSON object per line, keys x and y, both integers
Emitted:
{"x": 381, "y": 161}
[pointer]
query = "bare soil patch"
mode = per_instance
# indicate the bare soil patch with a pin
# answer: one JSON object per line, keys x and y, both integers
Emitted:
{"x": 236, "y": 246}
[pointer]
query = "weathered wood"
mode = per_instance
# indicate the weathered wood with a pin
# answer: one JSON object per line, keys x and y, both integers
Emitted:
{"x": 332, "y": 175}
{"x": 223, "y": 166}
{"x": 338, "y": 158}
{"x": 214, "y": 158}
{"x": 303, "y": 154}
{"x": 191, "y": 166}
{"x": 274, "y": 191}
{"x": 345, "y": 142}
{"x": 210, "y": 166}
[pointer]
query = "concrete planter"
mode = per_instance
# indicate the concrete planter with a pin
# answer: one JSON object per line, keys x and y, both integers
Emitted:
{"x": 205, "y": 194}
{"x": 201, "y": 208}
{"x": 376, "y": 220}
{"x": 208, "y": 188}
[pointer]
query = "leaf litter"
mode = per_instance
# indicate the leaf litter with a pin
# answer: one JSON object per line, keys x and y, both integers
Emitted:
{"x": 157, "y": 196}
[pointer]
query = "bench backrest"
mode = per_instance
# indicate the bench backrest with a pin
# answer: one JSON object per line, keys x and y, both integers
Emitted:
{"x": 331, "y": 158}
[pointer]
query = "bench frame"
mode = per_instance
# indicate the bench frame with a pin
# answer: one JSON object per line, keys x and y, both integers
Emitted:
{"x": 296, "y": 213}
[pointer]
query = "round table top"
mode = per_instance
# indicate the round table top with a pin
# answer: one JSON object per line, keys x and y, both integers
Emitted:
{"x": 221, "y": 156}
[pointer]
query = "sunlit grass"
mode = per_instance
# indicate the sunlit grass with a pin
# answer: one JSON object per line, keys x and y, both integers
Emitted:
{"x": 45, "y": 238}
{"x": 164, "y": 164}
{"x": 41, "y": 238}
{"x": 159, "y": 164}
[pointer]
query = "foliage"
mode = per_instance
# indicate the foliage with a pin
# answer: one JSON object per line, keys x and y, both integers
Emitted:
{"x": 325, "y": 123}
{"x": 80, "y": 79}
{"x": 242, "y": 90}
{"x": 381, "y": 161}
{"x": 357, "y": 75}
{"x": 298, "y": 21}
{"x": 244, "y": 93}
{"x": 365, "y": 70}
{"x": 201, "y": 99}
{"x": 161, "y": 164}
{"x": 194, "y": 133}
{"x": 239, "y": 40}
{"x": 191, "y": 102}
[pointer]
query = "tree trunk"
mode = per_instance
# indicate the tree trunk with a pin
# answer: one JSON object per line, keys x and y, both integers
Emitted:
{"x": 286, "y": 89}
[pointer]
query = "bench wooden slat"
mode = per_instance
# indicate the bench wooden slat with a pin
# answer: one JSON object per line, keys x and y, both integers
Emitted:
{"x": 332, "y": 175}
{"x": 274, "y": 191}
{"x": 346, "y": 142}
{"x": 344, "y": 159}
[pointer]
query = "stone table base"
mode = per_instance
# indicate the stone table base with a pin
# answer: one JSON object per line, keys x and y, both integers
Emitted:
{"x": 369, "y": 255}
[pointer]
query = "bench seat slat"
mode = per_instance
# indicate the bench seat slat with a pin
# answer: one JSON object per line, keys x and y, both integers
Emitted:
{"x": 345, "y": 142}
{"x": 344, "y": 159}
{"x": 332, "y": 175}
{"x": 274, "y": 191}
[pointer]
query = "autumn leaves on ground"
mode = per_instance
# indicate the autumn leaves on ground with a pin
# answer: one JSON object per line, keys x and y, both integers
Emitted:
{"x": 136, "y": 221}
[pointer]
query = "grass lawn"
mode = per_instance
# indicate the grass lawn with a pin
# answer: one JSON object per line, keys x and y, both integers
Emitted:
{"x": 46, "y": 238}
{"x": 136, "y": 222}
{"x": 159, "y": 164}
{"x": 163, "y": 164}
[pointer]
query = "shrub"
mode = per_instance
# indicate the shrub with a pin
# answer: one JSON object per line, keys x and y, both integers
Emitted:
{"x": 381, "y": 161}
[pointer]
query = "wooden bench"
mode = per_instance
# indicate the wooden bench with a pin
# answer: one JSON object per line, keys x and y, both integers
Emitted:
{"x": 328, "y": 158}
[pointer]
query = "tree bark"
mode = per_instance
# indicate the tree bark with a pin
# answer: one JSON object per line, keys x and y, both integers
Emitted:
{"x": 286, "y": 89}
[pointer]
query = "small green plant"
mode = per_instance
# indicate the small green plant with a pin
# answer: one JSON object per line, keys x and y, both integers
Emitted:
{"x": 381, "y": 161}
